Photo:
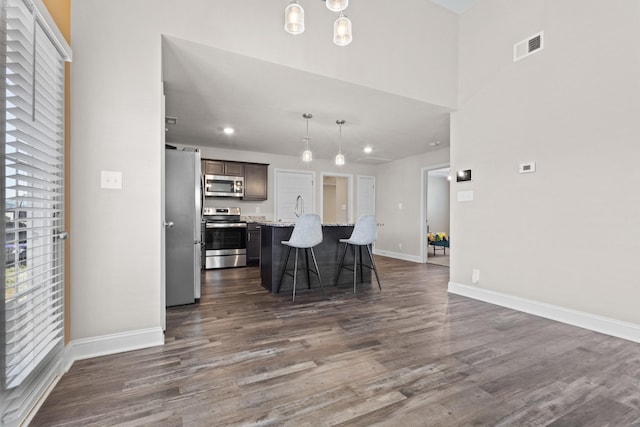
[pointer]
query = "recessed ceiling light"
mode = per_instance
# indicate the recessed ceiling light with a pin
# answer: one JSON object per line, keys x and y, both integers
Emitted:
{"x": 368, "y": 149}
{"x": 433, "y": 144}
{"x": 228, "y": 131}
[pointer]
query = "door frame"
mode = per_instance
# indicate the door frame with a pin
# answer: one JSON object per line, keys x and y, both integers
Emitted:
{"x": 424, "y": 180}
{"x": 349, "y": 193}
{"x": 163, "y": 231}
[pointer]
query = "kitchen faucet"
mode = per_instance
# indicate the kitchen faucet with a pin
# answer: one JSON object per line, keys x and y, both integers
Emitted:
{"x": 299, "y": 205}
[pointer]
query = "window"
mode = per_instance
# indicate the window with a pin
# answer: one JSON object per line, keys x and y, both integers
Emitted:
{"x": 32, "y": 304}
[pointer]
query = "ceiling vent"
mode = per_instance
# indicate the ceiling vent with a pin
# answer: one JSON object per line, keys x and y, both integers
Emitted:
{"x": 528, "y": 46}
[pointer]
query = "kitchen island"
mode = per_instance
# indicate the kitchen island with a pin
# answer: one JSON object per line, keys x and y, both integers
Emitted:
{"x": 273, "y": 253}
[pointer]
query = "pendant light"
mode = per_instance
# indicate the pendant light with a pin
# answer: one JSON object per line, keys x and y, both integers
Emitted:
{"x": 340, "y": 157}
{"x": 294, "y": 18}
{"x": 342, "y": 31}
{"x": 342, "y": 34}
{"x": 307, "y": 156}
{"x": 337, "y": 5}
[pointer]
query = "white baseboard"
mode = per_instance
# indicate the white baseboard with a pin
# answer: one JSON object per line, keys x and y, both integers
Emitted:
{"x": 397, "y": 255}
{"x": 103, "y": 345}
{"x": 593, "y": 322}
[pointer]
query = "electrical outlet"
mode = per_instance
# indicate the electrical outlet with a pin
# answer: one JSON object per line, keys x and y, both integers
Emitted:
{"x": 257, "y": 209}
{"x": 399, "y": 245}
{"x": 475, "y": 275}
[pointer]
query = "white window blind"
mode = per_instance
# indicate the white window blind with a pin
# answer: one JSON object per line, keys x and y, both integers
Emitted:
{"x": 32, "y": 321}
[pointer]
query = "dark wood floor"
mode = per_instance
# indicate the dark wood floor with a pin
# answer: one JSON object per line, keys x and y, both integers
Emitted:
{"x": 410, "y": 355}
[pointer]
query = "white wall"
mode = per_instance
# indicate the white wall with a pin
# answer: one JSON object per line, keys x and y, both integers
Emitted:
{"x": 115, "y": 125}
{"x": 399, "y": 184}
{"x": 567, "y": 234}
{"x": 116, "y": 118}
{"x": 438, "y": 204}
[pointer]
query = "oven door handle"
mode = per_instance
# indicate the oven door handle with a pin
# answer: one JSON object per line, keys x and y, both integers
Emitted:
{"x": 226, "y": 225}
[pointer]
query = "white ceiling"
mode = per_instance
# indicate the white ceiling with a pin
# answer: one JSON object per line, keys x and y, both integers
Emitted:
{"x": 208, "y": 89}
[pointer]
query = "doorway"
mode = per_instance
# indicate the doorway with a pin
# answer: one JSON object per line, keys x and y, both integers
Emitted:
{"x": 337, "y": 199}
{"x": 436, "y": 223}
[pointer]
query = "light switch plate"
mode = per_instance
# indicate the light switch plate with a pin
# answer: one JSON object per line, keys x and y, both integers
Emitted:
{"x": 111, "y": 180}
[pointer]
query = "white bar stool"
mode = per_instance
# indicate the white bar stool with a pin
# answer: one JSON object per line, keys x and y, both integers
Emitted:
{"x": 364, "y": 234}
{"x": 306, "y": 234}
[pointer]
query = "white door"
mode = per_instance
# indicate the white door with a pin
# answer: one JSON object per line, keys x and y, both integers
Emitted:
{"x": 366, "y": 195}
{"x": 289, "y": 185}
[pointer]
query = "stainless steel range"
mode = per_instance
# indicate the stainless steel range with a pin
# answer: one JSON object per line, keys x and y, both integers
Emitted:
{"x": 225, "y": 238}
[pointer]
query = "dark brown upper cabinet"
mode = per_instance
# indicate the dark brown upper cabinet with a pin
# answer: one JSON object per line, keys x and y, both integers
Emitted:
{"x": 255, "y": 181}
{"x": 219, "y": 167}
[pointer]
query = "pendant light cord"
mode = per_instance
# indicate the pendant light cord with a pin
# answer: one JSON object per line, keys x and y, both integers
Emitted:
{"x": 340, "y": 123}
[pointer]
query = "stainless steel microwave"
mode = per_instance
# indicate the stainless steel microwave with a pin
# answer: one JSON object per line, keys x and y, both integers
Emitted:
{"x": 223, "y": 186}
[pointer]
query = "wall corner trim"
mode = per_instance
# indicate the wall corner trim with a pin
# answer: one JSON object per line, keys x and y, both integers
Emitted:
{"x": 85, "y": 348}
{"x": 617, "y": 328}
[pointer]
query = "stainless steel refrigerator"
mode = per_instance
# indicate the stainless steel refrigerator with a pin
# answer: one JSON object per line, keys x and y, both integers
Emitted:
{"x": 183, "y": 213}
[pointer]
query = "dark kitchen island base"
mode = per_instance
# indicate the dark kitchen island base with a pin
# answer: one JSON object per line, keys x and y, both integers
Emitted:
{"x": 273, "y": 253}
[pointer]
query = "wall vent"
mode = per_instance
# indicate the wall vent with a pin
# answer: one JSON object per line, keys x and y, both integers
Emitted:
{"x": 528, "y": 46}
